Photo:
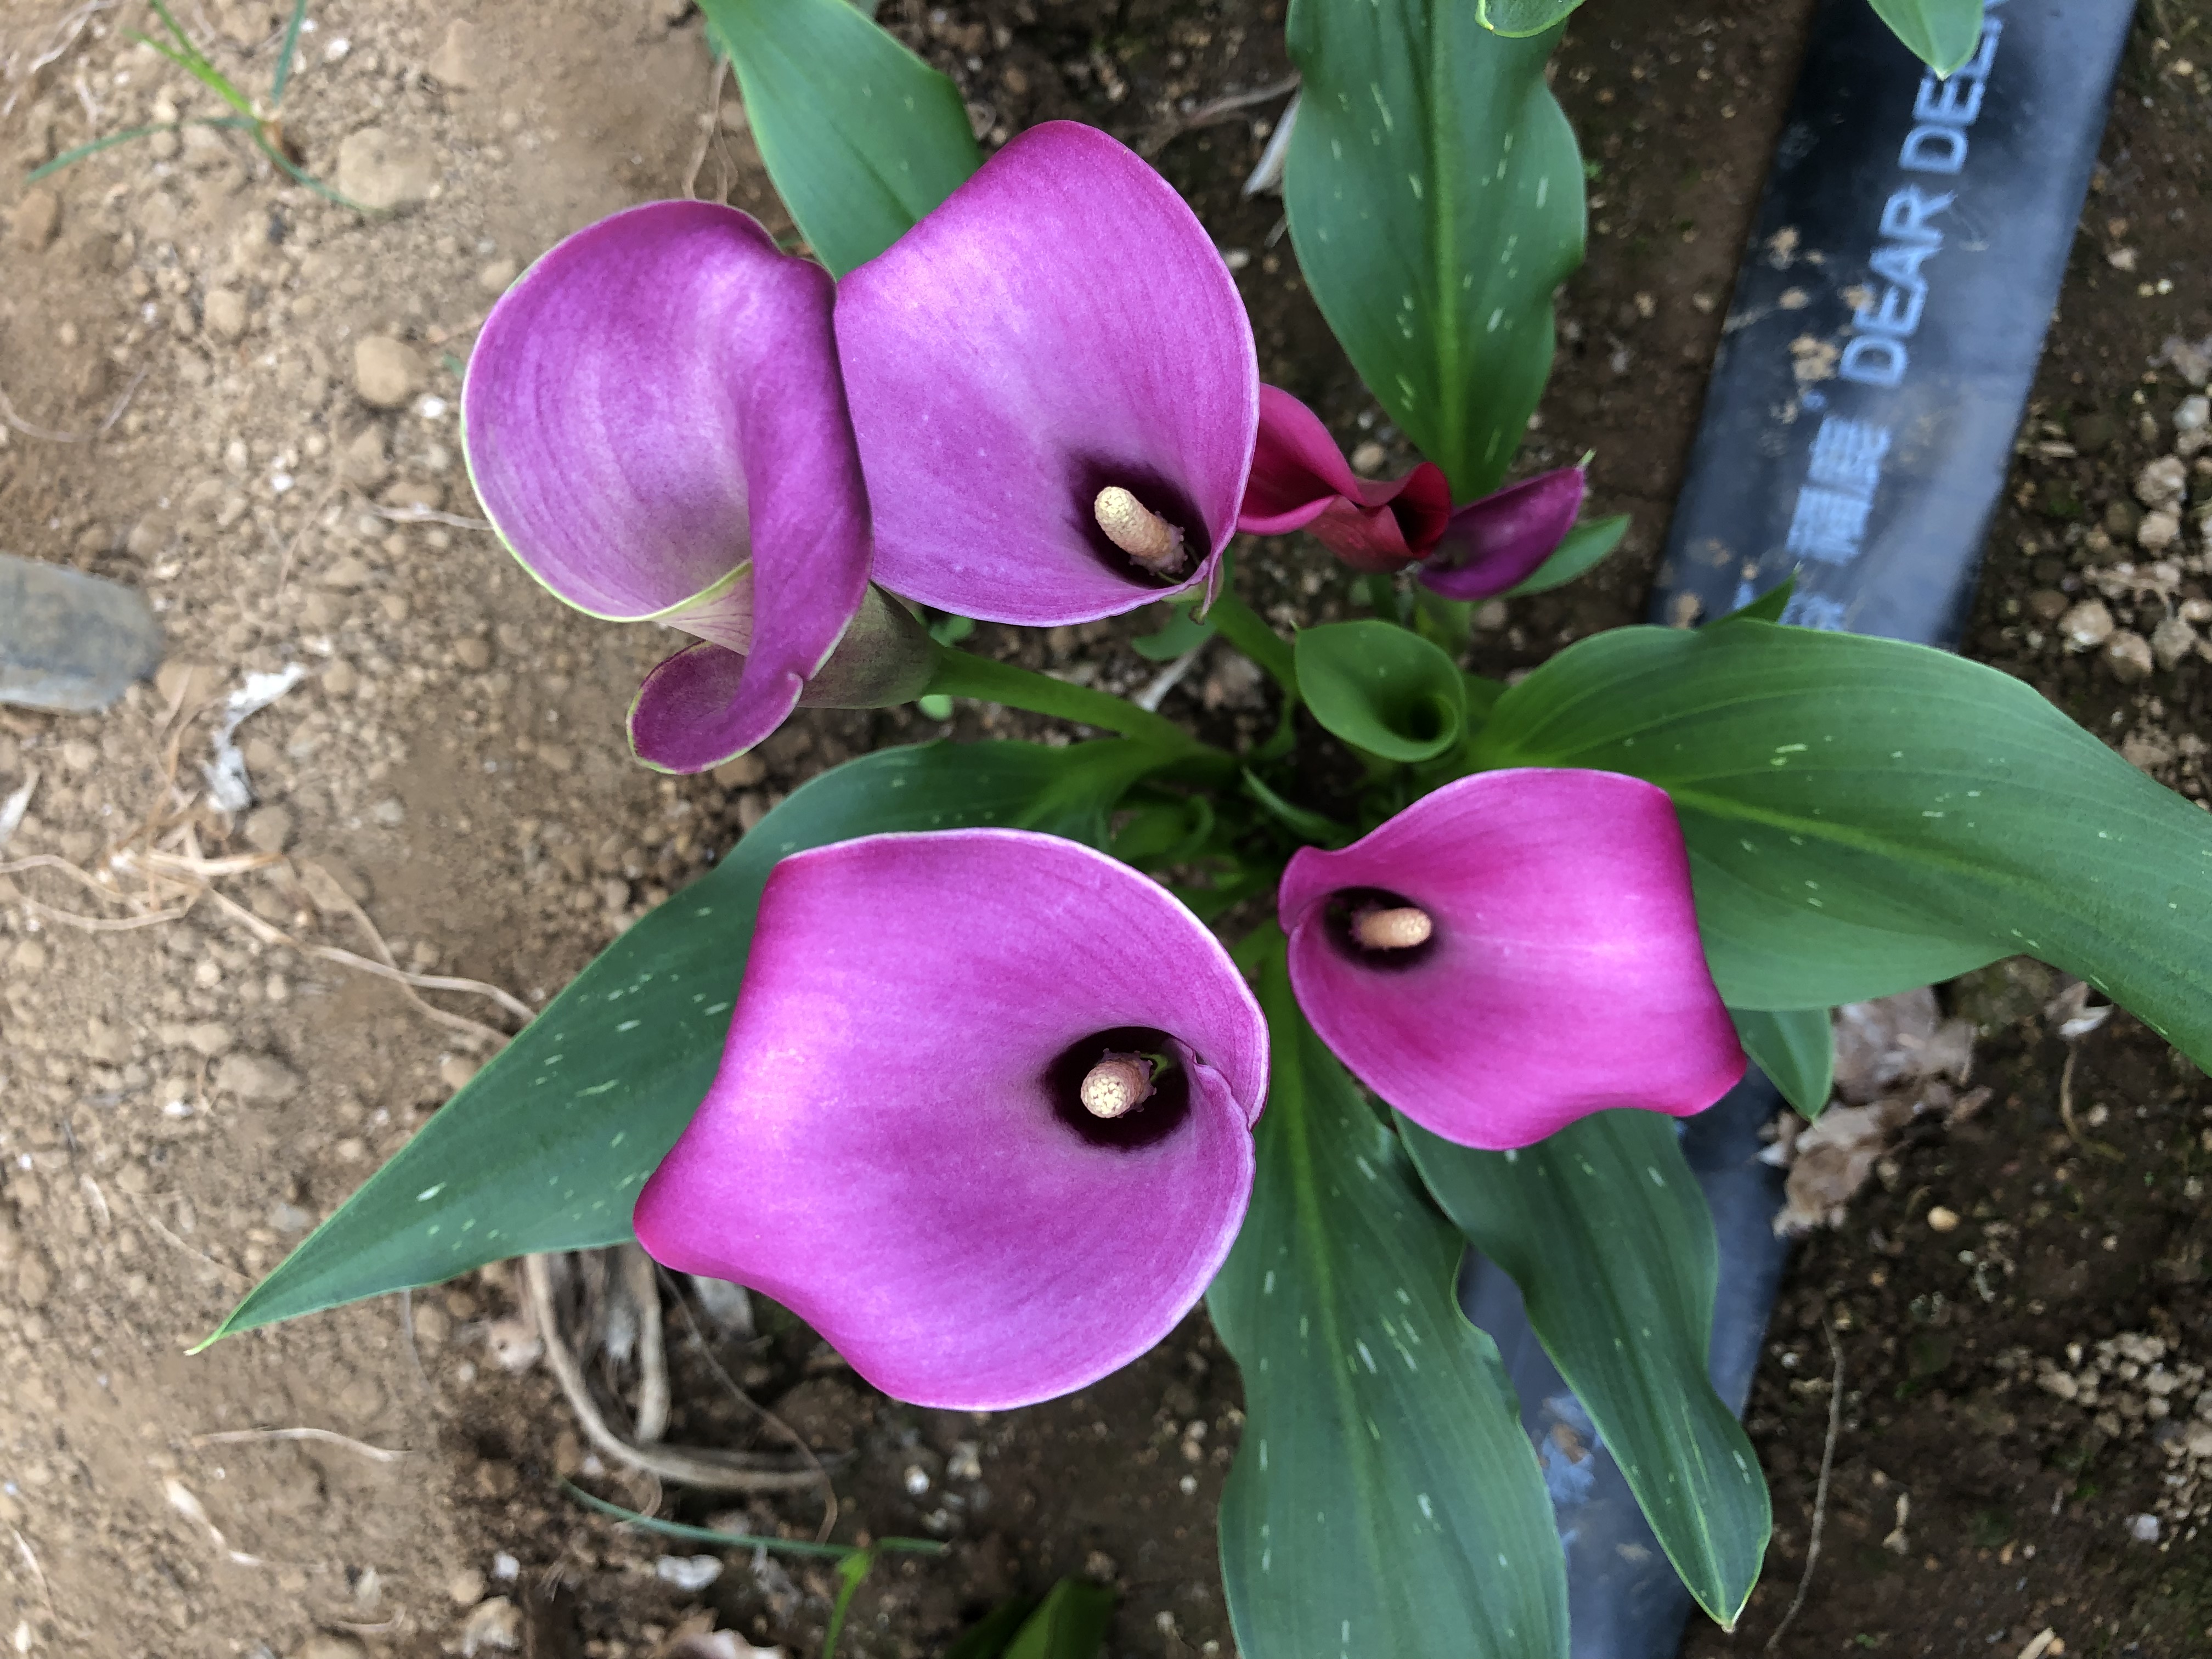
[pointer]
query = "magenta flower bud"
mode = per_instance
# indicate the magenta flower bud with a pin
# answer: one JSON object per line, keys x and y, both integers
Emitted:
{"x": 1300, "y": 481}
{"x": 939, "y": 1134}
{"x": 655, "y": 423}
{"x": 1493, "y": 543}
{"x": 1058, "y": 331}
{"x": 1511, "y": 953}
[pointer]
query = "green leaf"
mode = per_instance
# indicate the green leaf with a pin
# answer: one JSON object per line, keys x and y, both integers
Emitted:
{"x": 1796, "y": 1049}
{"x": 1940, "y": 33}
{"x": 1769, "y": 606}
{"x": 987, "y": 1637}
{"x": 1302, "y": 822}
{"x": 1384, "y": 1500}
{"x": 1602, "y": 1227}
{"x": 1519, "y": 17}
{"x": 1382, "y": 688}
{"x": 1435, "y": 198}
{"x": 1865, "y": 816}
{"x": 1070, "y": 1624}
{"x": 1183, "y": 632}
{"x": 544, "y": 1149}
{"x": 1583, "y": 548}
{"x": 861, "y": 137}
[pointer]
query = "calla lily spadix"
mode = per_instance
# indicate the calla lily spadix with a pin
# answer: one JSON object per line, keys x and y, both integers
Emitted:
{"x": 1510, "y": 953}
{"x": 1300, "y": 481}
{"x": 1055, "y": 389}
{"x": 656, "y": 427}
{"x": 984, "y": 1119}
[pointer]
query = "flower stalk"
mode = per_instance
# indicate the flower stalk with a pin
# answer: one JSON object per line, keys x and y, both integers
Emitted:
{"x": 963, "y": 674}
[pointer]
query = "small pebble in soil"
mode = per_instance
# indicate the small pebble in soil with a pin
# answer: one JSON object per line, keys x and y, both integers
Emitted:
{"x": 688, "y": 1573}
{"x": 1942, "y": 1220}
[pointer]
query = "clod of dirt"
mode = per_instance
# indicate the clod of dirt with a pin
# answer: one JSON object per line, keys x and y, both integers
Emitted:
{"x": 2087, "y": 626}
{"x": 463, "y": 58}
{"x": 33, "y": 220}
{"x": 386, "y": 372}
{"x": 257, "y": 1080}
{"x": 2128, "y": 655}
{"x": 2192, "y": 358}
{"x": 223, "y": 313}
{"x": 493, "y": 1626}
{"x": 385, "y": 170}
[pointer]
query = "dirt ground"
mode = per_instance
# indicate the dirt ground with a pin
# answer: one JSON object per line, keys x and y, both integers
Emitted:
{"x": 255, "y": 389}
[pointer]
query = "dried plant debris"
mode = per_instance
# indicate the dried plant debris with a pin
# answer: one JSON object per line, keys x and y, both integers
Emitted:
{"x": 1896, "y": 1058}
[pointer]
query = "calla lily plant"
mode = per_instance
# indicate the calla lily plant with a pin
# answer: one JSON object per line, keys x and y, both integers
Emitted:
{"x": 990, "y": 1060}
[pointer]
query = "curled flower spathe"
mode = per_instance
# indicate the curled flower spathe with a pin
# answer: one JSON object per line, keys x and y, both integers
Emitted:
{"x": 1055, "y": 388}
{"x": 1300, "y": 482}
{"x": 1511, "y": 953}
{"x": 655, "y": 425}
{"x": 984, "y": 1119}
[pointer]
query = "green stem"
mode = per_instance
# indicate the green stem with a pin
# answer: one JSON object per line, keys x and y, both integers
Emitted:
{"x": 962, "y": 674}
{"x": 1249, "y": 631}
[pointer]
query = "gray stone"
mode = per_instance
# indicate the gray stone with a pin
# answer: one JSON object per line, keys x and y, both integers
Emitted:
{"x": 68, "y": 640}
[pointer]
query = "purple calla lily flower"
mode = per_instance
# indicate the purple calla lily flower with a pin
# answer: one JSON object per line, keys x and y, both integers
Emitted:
{"x": 1496, "y": 542}
{"x": 984, "y": 1120}
{"x": 1511, "y": 953}
{"x": 1055, "y": 389}
{"x": 657, "y": 428}
{"x": 1300, "y": 482}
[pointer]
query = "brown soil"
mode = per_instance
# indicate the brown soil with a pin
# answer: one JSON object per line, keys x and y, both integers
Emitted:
{"x": 180, "y": 1101}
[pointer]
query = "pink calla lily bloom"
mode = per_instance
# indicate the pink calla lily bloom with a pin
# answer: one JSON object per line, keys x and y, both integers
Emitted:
{"x": 1055, "y": 389}
{"x": 656, "y": 426}
{"x": 985, "y": 1116}
{"x": 1511, "y": 953}
{"x": 1300, "y": 482}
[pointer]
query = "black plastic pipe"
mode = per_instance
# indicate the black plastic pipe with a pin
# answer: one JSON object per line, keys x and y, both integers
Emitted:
{"x": 1875, "y": 362}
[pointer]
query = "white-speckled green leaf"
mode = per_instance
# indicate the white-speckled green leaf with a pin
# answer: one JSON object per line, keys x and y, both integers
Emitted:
{"x": 1435, "y": 196}
{"x": 1602, "y": 1227}
{"x": 1385, "y": 1500}
{"x": 1864, "y": 817}
{"x": 859, "y": 136}
{"x": 545, "y": 1148}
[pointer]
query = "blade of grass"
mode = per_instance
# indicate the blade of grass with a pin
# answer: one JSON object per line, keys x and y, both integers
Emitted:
{"x": 284, "y": 53}
{"x": 300, "y": 174}
{"x": 852, "y": 1572}
{"x": 740, "y": 1540}
{"x": 202, "y": 71}
{"x": 183, "y": 41}
{"x": 232, "y": 122}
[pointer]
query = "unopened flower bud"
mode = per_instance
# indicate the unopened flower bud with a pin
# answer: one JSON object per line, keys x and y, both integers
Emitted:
{"x": 1117, "y": 1085}
{"x": 882, "y": 659}
{"x": 1397, "y": 929}
{"x": 1150, "y": 541}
